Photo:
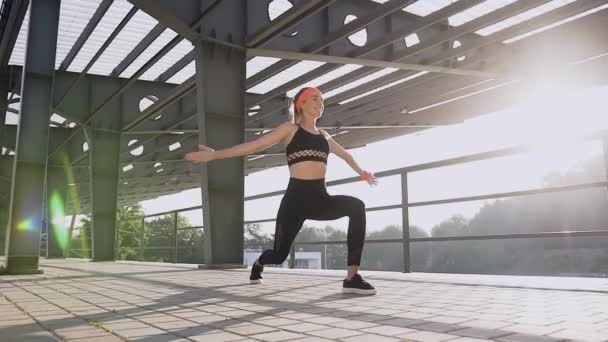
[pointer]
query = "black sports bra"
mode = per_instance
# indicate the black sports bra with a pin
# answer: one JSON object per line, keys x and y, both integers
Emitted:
{"x": 307, "y": 146}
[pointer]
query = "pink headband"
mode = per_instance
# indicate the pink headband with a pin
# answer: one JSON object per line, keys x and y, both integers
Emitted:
{"x": 305, "y": 95}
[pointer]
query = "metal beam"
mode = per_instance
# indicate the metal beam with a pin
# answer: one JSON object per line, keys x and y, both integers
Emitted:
{"x": 175, "y": 68}
{"x": 482, "y": 21}
{"x": 543, "y": 20}
{"x": 85, "y": 34}
{"x": 366, "y": 62}
{"x": 171, "y": 126}
{"x": 11, "y": 30}
{"x": 184, "y": 131}
{"x": 286, "y": 21}
{"x": 413, "y": 27}
{"x": 145, "y": 67}
{"x": 473, "y": 25}
{"x": 346, "y": 30}
{"x": 126, "y": 84}
{"x": 137, "y": 50}
{"x": 101, "y": 50}
{"x": 165, "y": 17}
{"x": 179, "y": 92}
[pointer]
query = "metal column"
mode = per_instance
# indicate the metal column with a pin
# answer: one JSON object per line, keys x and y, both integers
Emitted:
{"x": 3, "y": 223}
{"x": 22, "y": 250}
{"x": 104, "y": 141}
{"x": 605, "y": 150}
{"x": 220, "y": 80}
{"x": 4, "y": 200}
{"x": 104, "y": 149}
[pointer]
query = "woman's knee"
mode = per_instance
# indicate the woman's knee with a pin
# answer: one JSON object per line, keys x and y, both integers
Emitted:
{"x": 357, "y": 206}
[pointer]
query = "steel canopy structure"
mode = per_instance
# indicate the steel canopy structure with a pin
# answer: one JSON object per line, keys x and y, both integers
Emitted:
{"x": 111, "y": 94}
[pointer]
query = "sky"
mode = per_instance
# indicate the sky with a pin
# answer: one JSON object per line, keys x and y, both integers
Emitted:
{"x": 552, "y": 119}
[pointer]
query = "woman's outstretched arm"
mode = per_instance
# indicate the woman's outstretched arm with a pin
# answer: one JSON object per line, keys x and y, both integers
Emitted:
{"x": 206, "y": 154}
{"x": 338, "y": 150}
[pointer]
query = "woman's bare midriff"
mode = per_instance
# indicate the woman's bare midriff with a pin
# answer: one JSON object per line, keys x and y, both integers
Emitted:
{"x": 308, "y": 170}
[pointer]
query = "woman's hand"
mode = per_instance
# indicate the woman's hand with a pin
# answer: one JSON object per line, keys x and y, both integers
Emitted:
{"x": 204, "y": 154}
{"x": 369, "y": 178}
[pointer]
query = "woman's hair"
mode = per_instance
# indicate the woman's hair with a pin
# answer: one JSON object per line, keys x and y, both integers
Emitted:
{"x": 296, "y": 114}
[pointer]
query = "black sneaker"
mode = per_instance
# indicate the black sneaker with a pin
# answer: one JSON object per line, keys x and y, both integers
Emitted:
{"x": 256, "y": 274}
{"x": 358, "y": 286}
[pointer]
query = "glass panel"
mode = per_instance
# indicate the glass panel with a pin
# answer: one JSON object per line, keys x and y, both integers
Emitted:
{"x": 548, "y": 257}
{"x": 190, "y": 246}
{"x": 580, "y": 210}
{"x": 565, "y": 211}
{"x": 263, "y": 208}
{"x": 129, "y": 233}
{"x": 159, "y": 231}
{"x": 128, "y": 253}
{"x": 158, "y": 254}
{"x": 383, "y": 257}
{"x": 190, "y": 218}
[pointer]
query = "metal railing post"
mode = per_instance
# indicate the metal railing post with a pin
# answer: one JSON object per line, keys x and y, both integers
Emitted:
{"x": 605, "y": 150}
{"x": 292, "y": 256}
{"x": 405, "y": 224}
{"x": 141, "y": 245}
{"x": 175, "y": 237}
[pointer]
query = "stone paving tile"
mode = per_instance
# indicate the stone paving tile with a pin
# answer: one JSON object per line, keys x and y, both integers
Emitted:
{"x": 304, "y": 327}
{"x": 158, "y": 338}
{"x": 27, "y": 333}
{"x": 370, "y": 337}
{"x": 527, "y": 338}
{"x": 485, "y": 324}
{"x": 352, "y": 324}
{"x": 387, "y": 330}
{"x": 311, "y": 339}
{"x": 139, "y": 332}
{"x": 436, "y": 327}
{"x": 80, "y": 333}
{"x": 335, "y": 333}
{"x": 277, "y": 336}
{"x": 368, "y": 318}
{"x": 414, "y": 315}
{"x": 325, "y": 320}
{"x": 216, "y": 336}
{"x": 105, "y": 338}
{"x": 428, "y": 336}
{"x": 447, "y": 319}
{"x": 249, "y": 329}
{"x": 579, "y": 335}
{"x": 401, "y": 322}
{"x": 480, "y": 333}
{"x": 531, "y": 329}
{"x": 157, "y": 302}
{"x": 175, "y": 325}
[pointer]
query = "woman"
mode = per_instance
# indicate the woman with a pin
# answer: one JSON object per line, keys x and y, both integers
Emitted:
{"x": 307, "y": 149}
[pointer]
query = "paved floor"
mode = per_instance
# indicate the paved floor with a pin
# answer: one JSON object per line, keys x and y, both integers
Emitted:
{"x": 82, "y": 301}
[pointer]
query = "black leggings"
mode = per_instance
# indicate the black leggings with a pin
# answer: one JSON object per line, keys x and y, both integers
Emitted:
{"x": 308, "y": 199}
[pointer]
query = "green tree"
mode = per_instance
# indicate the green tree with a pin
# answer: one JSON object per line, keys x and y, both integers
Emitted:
{"x": 254, "y": 236}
